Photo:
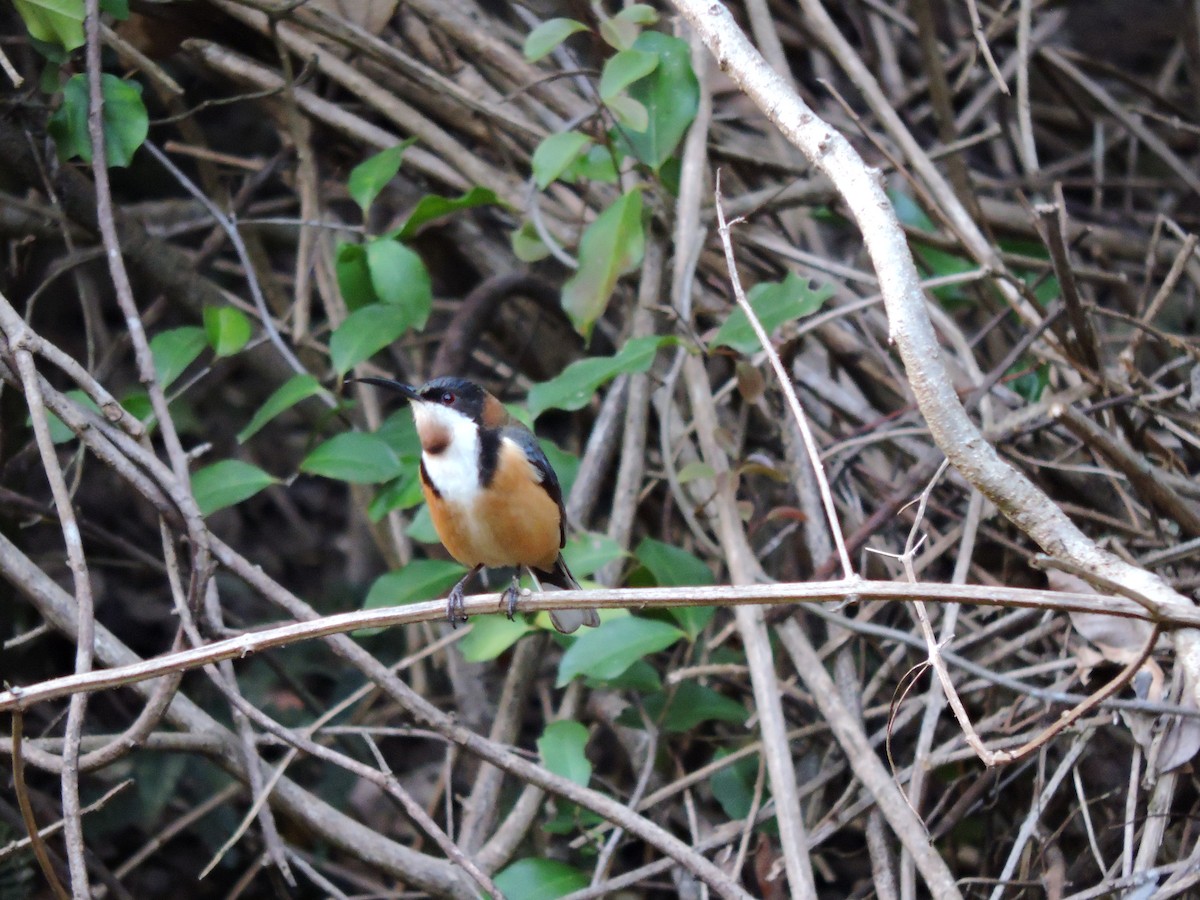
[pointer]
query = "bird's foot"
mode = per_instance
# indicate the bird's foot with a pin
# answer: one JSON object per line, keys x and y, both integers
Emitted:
{"x": 509, "y": 598}
{"x": 456, "y": 604}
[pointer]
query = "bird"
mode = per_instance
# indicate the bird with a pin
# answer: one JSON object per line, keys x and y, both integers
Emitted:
{"x": 493, "y": 496}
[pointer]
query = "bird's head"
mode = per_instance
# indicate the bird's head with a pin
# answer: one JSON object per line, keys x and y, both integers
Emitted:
{"x": 447, "y": 407}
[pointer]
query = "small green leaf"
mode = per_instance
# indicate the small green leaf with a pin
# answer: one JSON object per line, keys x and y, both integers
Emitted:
{"x": 420, "y": 580}
{"x": 774, "y": 303}
{"x": 400, "y": 278}
{"x": 623, "y": 69}
{"x": 354, "y": 276}
{"x": 537, "y": 878}
{"x": 733, "y": 786}
{"x": 527, "y": 244}
{"x": 611, "y": 246}
{"x": 670, "y": 96}
{"x": 400, "y": 431}
{"x": 631, "y": 114}
{"x": 297, "y": 388}
{"x": 589, "y": 552}
{"x": 671, "y": 566}
{"x": 695, "y": 470}
{"x": 353, "y": 456}
{"x": 227, "y": 328}
{"x": 561, "y": 747}
{"x": 401, "y": 493}
{"x": 371, "y": 176}
{"x": 638, "y": 14}
{"x": 227, "y": 482}
{"x": 434, "y": 206}
{"x": 640, "y": 677}
{"x": 574, "y": 387}
{"x": 125, "y": 121}
{"x": 421, "y": 528}
{"x": 564, "y": 463}
{"x": 366, "y": 332}
{"x": 53, "y": 21}
{"x": 175, "y": 350}
{"x": 598, "y": 164}
{"x": 609, "y": 650}
{"x": 619, "y": 33}
{"x": 690, "y": 705}
{"x": 118, "y": 9}
{"x": 492, "y": 635}
{"x": 544, "y": 39}
{"x": 555, "y": 154}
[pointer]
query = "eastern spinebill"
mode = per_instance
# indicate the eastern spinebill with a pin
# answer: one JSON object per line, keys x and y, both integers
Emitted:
{"x": 493, "y": 496}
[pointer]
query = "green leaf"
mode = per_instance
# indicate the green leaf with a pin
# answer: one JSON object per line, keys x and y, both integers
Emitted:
{"x": 492, "y": 635}
{"x": 399, "y": 277}
{"x": 537, "y": 878}
{"x": 1030, "y": 384}
{"x": 366, "y": 332}
{"x": 691, "y": 704}
{"x": 421, "y": 528}
{"x": 609, "y": 650}
{"x": 227, "y": 482}
{"x": 354, "y": 276}
{"x": 774, "y": 303}
{"x": 401, "y": 493}
{"x": 353, "y": 456}
{"x": 297, "y": 388}
{"x": 420, "y": 580}
{"x": 527, "y": 244}
{"x": 670, "y": 95}
{"x": 611, "y": 246}
{"x": 595, "y": 165}
{"x": 125, "y": 121}
{"x": 640, "y": 677}
{"x": 733, "y": 786}
{"x": 671, "y": 566}
{"x": 589, "y": 552}
{"x": 638, "y": 14}
{"x": 400, "y": 431}
{"x": 227, "y": 328}
{"x": 574, "y": 387}
{"x": 370, "y": 177}
{"x": 631, "y": 114}
{"x": 118, "y": 9}
{"x": 175, "y": 350}
{"x": 564, "y": 463}
{"x": 543, "y": 40}
{"x": 53, "y": 21}
{"x": 561, "y": 747}
{"x": 555, "y": 154}
{"x": 623, "y": 69}
{"x": 434, "y": 206}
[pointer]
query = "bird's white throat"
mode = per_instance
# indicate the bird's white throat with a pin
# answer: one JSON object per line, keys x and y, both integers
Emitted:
{"x": 454, "y": 469}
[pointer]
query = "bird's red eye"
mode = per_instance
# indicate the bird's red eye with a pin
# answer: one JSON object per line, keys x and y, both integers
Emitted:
{"x": 447, "y": 398}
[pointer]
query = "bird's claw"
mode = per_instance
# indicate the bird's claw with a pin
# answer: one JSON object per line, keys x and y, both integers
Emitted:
{"x": 456, "y": 606}
{"x": 509, "y": 599}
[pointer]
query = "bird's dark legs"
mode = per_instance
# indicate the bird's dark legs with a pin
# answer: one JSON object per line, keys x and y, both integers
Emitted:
{"x": 509, "y": 599}
{"x": 456, "y": 605}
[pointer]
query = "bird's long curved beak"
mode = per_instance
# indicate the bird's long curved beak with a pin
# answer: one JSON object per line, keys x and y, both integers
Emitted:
{"x": 399, "y": 386}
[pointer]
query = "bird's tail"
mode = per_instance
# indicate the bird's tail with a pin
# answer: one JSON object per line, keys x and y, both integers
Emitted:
{"x": 566, "y": 620}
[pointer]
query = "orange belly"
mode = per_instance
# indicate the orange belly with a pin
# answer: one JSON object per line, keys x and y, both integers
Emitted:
{"x": 513, "y": 522}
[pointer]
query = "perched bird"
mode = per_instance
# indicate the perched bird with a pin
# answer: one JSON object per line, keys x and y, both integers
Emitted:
{"x": 494, "y": 499}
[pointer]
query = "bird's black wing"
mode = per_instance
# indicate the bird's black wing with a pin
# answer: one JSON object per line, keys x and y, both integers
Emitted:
{"x": 524, "y": 438}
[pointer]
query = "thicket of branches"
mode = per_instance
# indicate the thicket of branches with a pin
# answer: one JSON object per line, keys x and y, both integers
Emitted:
{"x": 1041, "y": 160}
